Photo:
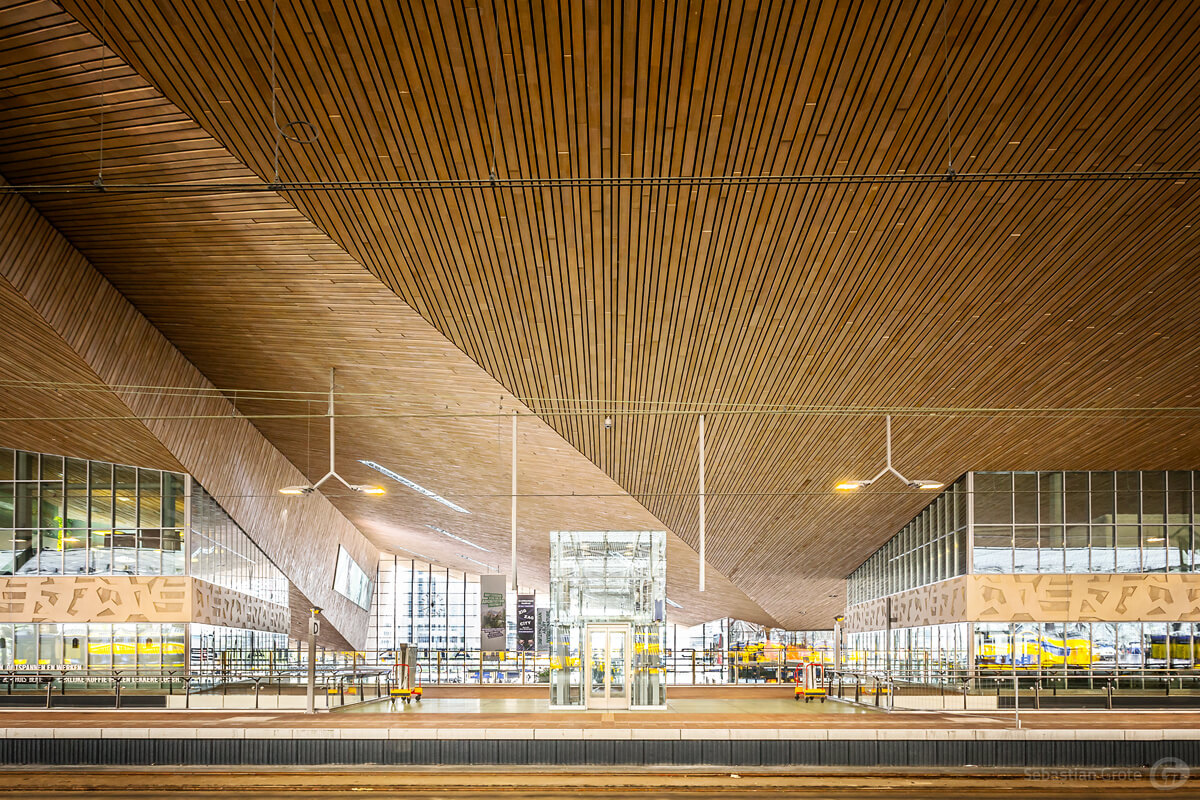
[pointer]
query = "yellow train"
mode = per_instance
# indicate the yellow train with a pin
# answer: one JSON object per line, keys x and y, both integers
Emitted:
{"x": 771, "y": 653}
{"x": 1180, "y": 646}
{"x": 129, "y": 649}
{"x": 1034, "y": 653}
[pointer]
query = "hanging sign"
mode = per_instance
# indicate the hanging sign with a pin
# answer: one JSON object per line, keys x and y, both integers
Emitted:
{"x": 525, "y": 621}
{"x": 492, "y": 622}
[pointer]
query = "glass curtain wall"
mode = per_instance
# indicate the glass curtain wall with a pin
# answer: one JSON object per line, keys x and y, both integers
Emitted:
{"x": 1041, "y": 522}
{"x": 930, "y": 548}
{"x": 221, "y": 553}
{"x": 216, "y": 649}
{"x": 433, "y": 607}
{"x": 931, "y": 653}
{"x": 94, "y": 646}
{"x": 1081, "y": 522}
{"x": 69, "y": 516}
{"x": 1087, "y": 647}
{"x": 73, "y": 517}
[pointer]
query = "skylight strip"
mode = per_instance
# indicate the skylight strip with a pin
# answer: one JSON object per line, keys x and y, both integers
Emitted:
{"x": 457, "y": 538}
{"x": 414, "y": 486}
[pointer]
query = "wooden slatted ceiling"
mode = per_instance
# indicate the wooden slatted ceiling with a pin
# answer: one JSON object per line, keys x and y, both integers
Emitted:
{"x": 256, "y": 296}
{"x": 38, "y": 370}
{"x": 955, "y": 295}
{"x": 80, "y": 314}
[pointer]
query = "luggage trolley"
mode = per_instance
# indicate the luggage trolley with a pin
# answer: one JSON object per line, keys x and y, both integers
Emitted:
{"x": 810, "y": 681}
{"x": 405, "y": 687}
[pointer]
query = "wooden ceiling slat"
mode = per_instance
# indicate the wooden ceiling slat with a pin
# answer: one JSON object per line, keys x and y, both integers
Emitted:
{"x": 261, "y": 298}
{"x": 765, "y": 294}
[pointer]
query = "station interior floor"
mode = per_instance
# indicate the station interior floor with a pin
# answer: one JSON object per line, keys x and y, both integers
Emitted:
{"x": 462, "y": 712}
{"x": 735, "y": 705}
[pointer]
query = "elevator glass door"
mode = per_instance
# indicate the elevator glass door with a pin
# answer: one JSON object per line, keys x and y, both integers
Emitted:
{"x": 608, "y": 681}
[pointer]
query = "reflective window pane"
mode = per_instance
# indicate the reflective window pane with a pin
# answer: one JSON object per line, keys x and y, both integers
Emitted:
{"x": 1076, "y": 498}
{"x": 993, "y": 549}
{"x": 993, "y": 498}
{"x": 1103, "y": 498}
{"x": 1129, "y": 498}
{"x": 1154, "y": 548}
{"x": 1051, "y": 549}
{"x": 1025, "y": 498}
{"x": 1129, "y": 554}
{"x": 1025, "y": 549}
{"x": 1179, "y": 548}
{"x": 1050, "y": 498}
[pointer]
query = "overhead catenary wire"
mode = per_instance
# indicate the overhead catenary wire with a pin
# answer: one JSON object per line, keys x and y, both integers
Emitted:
{"x": 496, "y": 183}
{"x": 635, "y": 494}
{"x": 1077, "y": 414}
{"x": 1173, "y": 412}
{"x": 551, "y": 406}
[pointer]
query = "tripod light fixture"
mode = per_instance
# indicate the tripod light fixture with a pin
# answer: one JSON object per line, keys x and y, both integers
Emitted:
{"x": 310, "y": 488}
{"x": 916, "y": 484}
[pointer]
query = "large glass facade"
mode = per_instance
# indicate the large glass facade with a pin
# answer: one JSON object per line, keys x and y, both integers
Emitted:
{"x": 1079, "y": 522}
{"x": 217, "y": 649}
{"x": 95, "y": 645}
{"x": 930, "y": 652}
{"x": 415, "y": 602}
{"x": 930, "y": 548}
{"x": 221, "y": 553}
{"x": 1055, "y": 522}
{"x": 70, "y": 516}
{"x": 933, "y": 652}
{"x": 74, "y": 517}
{"x": 1041, "y": 522}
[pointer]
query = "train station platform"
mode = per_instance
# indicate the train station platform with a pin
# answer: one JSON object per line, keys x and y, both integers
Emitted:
{"x": 724, "y": 728}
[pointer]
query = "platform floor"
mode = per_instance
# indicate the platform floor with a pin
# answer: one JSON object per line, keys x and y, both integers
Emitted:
{"x": 686, "y": 706}
{"x": 739, "y": 712}
{"x": 31, "y": 723}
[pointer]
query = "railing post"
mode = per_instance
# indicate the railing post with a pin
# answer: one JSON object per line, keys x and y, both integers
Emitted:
{"x": 117, "y": 691}
{"x": 49, "y": 691}
{"x": 1108, "y": 691}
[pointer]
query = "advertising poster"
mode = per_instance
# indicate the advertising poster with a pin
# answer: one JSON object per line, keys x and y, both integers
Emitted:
{"x": 543, "y": 629}
{"x": 492, "y": 630}
{"x": 525, "y": 622}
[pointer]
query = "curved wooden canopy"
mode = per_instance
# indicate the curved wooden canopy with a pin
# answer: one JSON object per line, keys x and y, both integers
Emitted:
{"x": 793, "y": 315}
